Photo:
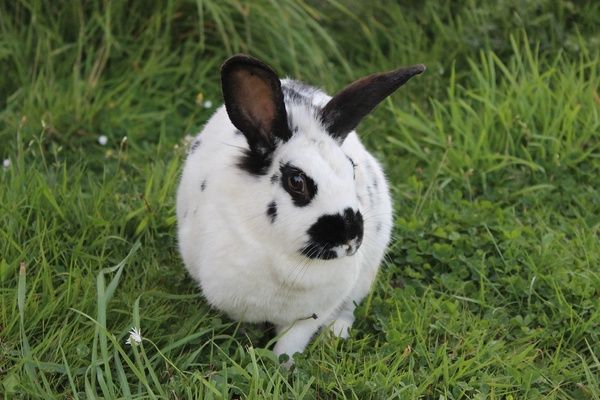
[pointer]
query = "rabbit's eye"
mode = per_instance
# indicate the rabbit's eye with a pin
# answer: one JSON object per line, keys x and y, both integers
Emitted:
{"x": 300, "y": 186}
{"x": 297, "y": 183}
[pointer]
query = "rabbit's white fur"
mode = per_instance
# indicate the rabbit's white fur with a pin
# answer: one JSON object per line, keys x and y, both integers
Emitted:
{"x": 248, "y": 265}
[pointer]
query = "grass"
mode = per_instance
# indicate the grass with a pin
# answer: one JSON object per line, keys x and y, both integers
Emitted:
{"x": 491, "y": 287}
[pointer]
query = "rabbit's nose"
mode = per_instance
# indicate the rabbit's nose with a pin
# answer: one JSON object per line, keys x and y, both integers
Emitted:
{"x": 353, "y": 224}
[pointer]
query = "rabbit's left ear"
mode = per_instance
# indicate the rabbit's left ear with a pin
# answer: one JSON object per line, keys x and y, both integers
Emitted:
{"x": 347, "y": 108}
{"x": 254, "y": 102}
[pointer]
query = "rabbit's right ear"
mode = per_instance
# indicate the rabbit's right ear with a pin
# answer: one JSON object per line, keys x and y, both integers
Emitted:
{"x": 254, "y": 102}
{"x": 346, "y": 109}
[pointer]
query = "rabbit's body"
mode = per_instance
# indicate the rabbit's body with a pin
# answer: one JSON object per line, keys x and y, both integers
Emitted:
{"x": 237, "y": 272}
{"x": 264, "y": 251}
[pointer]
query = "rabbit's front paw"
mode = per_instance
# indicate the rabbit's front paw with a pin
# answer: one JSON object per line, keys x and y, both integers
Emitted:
{"x": 341, "y": 327}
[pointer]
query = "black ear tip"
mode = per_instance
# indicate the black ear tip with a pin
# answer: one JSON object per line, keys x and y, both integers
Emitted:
{"x": 415, "y": 69}
{"x": 244, "y": 60}
{"x": 236, "y": 59}
{"x": 402, "y": 75}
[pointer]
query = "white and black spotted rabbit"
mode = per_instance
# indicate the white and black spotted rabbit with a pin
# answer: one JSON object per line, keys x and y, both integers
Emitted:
{"x": 283, "y": 215}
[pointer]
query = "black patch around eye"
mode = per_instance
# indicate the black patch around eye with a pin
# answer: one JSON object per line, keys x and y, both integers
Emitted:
{"x": 300, "y": 200}
{"x": 203, "y": 185}
{"x": 272, "y": 211}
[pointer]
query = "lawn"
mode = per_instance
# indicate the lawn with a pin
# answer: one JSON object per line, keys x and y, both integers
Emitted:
{"x": 490, "y": 288}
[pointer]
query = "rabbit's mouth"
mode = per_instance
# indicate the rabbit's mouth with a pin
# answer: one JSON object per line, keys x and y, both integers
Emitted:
{"x": 315, "y": 251}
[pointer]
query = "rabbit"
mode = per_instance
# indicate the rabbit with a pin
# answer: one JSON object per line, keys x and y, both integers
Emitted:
{"x": 283, "y": 215}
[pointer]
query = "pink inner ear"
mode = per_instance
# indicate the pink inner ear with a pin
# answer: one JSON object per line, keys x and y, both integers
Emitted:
{"x": 255, "y": 99}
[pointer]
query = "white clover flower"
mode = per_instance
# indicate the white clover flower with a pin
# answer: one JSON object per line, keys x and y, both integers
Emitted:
{"x": 6, "y": 163}
{"x": 135, "y": 337}
{"x": 207, "y": 104}
{"x": 102, "y": 140}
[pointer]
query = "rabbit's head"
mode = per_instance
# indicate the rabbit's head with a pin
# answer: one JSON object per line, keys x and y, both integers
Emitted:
{"x": 296, "y": 155}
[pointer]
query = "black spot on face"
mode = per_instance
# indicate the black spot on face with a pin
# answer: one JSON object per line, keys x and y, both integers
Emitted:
{"x": 297, "y": 93}
{"x": 353, "y": 166}
{"x": 371, "y": 195}
{"x": 331, "y": 231}
{"x": 372, "y": 176}
{"x": 300, "y": 186}
{"x": 372, "y": 185}
{"x": 293, "y": 95}
{"x": 203, "y": 186}
{"x": 351, "y": 161}
{"x": 272, "y": 211}
{"x": 195, "y": 144}
{"x": 255, "y": 162}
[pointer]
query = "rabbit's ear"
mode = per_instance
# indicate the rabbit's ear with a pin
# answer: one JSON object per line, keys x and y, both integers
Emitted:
{"x": 347, "y": 108}
{"x": 254, "y": 102}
